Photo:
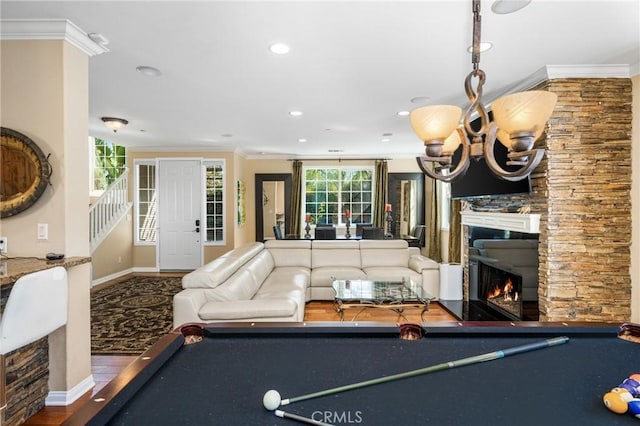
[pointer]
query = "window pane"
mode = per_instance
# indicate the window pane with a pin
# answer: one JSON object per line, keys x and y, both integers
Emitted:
{"x": 328, "y": 192}
{"x": 214, "y": 201}
{"x": 146, "y": 205}
{"x": 109, "y": 161}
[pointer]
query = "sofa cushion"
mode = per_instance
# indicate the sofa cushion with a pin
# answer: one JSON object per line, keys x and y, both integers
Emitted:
{"x": 381, "y": 253}
{"x": 290, "y": 252}
{"x": 260, "y": 267}
{"x": 217, "y": 271}
{"x": 392, "y": 273}
{"x": 419, "y": 263}
{"x": 243, "y": 309}
{"x": 245, "y": 251}
{"x": 322, "y": 276}
{"x": 289, "y": 277}
{"x": 335, "y": 253}
{"x": 240, "y": 286}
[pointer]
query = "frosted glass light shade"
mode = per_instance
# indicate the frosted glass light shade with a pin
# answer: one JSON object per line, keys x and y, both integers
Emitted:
{"x": 505, "y": 139}
{"x": 453, "y": 141}
{"x": 114, "y": 124}
{"x": 435, "y": 121}
{"x": 524, "y": 111}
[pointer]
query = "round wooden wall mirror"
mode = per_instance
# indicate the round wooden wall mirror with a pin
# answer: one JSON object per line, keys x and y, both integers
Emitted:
{"x": 25, "y": 172}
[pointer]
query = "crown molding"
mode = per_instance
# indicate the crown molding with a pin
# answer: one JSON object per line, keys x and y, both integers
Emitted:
{"x": 550, "y": 72}
{"x": 50, "y": 29}
{"x": 587, "y": 71}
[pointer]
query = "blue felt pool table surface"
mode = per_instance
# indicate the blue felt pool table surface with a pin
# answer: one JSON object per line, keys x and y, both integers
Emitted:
{"x": 222, "y": 379}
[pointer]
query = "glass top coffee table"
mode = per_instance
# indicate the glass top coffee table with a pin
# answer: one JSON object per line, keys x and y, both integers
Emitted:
{"x": 392, "y": 294}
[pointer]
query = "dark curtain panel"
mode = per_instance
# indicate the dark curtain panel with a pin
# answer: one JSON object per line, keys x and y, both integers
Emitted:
{"x": 296, "y": 194}
{"x": 382, "y": 180}
{"x": 455, "y": 231}
{"x": 433, "y": 224}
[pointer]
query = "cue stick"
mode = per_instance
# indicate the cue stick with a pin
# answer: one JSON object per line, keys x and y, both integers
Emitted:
{"x": 439, "y": 367}
{"x": 307, "y": 420}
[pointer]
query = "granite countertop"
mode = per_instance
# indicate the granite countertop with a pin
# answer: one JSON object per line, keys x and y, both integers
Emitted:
{"x": 12, "y": 269}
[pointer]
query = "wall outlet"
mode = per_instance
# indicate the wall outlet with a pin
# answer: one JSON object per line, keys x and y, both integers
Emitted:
{"x": 3, "y": 245}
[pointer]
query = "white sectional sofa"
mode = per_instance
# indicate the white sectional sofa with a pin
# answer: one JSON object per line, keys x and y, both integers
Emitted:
{"x": 274, "y": 280}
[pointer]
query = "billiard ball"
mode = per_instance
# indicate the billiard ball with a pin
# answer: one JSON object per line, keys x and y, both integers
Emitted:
{"x": 617, "y": 400}
{"x": 271, "y": 400}
{"x": 632, "y": 386}
{"x": 634, "y": 407}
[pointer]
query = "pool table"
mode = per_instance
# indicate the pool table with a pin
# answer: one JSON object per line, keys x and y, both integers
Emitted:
{"x": 222, "y": 378}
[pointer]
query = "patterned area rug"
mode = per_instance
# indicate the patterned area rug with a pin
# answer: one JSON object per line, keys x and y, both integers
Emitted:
{"x": 129, "y": 317}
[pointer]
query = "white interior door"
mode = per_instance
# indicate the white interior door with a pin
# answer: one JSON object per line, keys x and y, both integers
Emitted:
{"x": 179, "y": 207}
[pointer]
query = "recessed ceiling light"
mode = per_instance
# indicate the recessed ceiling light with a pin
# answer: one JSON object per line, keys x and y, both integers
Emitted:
{"x": 386, "y": 140}
{"x": 302, "y": 140}
{"x": 403, "y": 113}
{"x": 149, "y": 71}
{"x": 484, "y": 46}
{"x": 508, "y": 6}
{"x": 279, "y": 48}
{"x": 295, "y": 113}
{"x": 420, "y": 99}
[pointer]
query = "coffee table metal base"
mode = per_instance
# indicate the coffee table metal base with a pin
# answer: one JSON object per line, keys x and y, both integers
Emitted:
{"x": 398, "y": 308}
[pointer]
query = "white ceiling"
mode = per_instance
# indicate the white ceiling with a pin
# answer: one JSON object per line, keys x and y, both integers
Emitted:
{"x": 353, "y": 65}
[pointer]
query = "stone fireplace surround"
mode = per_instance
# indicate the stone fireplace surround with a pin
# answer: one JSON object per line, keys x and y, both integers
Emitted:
{"x": 582, "y": 192}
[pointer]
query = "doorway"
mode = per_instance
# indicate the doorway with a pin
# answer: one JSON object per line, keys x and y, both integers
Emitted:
{"x": 273, "y": 204}
{"x": 406, "y": 196}
{"x": 179, "y": 210}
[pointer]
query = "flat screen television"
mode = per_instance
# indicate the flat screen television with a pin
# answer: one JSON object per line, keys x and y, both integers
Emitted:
{"x": 480, "y": 181}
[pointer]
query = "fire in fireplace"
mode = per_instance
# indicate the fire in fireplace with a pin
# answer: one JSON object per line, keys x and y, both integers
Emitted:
{"x": 501, "y": 289}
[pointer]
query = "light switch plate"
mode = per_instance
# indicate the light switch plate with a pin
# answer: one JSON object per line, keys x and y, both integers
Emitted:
{"x": 43, "y": 231}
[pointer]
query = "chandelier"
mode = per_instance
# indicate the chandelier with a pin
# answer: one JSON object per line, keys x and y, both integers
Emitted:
{"x": 519, "y": 120}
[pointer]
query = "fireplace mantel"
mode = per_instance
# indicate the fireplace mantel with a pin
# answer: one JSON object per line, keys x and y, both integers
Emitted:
{"x": 527, "y": 223}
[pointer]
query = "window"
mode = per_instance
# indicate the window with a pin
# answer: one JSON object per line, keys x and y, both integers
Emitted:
{"x": 214, "y": 201}
{"x": 145, "y": 201}
{"x": 329, "y": 192}
{"x": 108, "y": 161}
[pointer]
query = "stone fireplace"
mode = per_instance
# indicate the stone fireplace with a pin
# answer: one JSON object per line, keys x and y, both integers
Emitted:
{"x": 581, "y": 192}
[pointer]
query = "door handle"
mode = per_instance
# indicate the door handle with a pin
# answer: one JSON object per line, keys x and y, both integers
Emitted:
{"x": 196, "y": 230}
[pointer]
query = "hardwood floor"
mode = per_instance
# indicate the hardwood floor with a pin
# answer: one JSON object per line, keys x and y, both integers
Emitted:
{"x": 105, "y": 367}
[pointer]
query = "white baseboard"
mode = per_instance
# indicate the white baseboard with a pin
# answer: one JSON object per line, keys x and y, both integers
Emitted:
{"x": 111, "y": 277}
{"x": 119, "y": 274}
{"x": 147, "y": 269}
{"x": 63, "y": 398}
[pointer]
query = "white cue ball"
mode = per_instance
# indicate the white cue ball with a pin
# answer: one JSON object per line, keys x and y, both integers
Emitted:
{"x": 271, "y": 400}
